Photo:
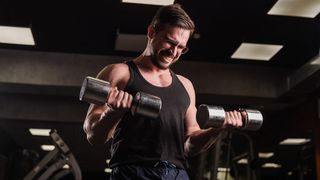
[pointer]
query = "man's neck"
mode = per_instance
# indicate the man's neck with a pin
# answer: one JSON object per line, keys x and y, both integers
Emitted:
{"x": 153, "y": 74}
{"x": 145, "y": 64}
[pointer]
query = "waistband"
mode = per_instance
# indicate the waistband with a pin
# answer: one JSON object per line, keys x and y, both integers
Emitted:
{"x": 159, "y": 164}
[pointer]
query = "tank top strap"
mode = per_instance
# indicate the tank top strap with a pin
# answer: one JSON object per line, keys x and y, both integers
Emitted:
{"x": 132, "y": 69}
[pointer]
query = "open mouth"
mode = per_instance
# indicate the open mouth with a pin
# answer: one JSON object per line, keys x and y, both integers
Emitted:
{"x": 166, "y": 59}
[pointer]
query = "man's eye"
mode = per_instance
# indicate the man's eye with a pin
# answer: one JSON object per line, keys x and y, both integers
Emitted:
{"x": 181, "y": 47}
{"x": 172, "y": 43}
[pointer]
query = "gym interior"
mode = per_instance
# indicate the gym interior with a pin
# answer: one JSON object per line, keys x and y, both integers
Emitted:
{"x": 40, "y": 84}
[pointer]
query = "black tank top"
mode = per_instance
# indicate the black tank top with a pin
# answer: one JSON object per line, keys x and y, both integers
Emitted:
{"x": 140, "y": 139}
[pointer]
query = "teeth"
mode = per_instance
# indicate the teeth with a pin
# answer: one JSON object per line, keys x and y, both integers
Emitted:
{"x": 167, "y": 60}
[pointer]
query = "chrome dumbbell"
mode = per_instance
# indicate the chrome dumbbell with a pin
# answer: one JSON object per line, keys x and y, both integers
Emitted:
{"x": 96, "y": 91}
{"x": 213, "y": 116}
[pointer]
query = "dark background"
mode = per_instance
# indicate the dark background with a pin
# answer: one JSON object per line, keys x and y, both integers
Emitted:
{"x": 39, "y": 85}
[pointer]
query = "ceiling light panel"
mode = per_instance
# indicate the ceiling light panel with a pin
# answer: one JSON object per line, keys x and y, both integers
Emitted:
{"x": 47, "y": 147}
{"x": 107, "y": 170}
{"x": 243, "y": 161}
{"x": 222, "y": 169}
{"x": 265, "y": 154}
{"x": 294, "y": 141}
{"x": 315, "y": 61}
{"x": 252, "y": 51}
{"x": 40, "y": 132}
{"x": 16, "y": 35}
{"x": 150, "y": 2}
{"x": 271, "y": 165}
{"x": 299, "y": 8}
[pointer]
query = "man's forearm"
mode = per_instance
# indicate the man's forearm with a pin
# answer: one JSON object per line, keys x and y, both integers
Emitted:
{"x": 200, "y": 141}
{"x": 100, "y": 127}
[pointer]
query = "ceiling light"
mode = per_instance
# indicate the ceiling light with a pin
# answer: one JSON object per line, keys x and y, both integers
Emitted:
{"x": 16, "y": 35}
{"x": 294, "y": 141}
{"x": 265, "y": 154}
{"x": 40, "y": 132}
{"x": 243, "y": 161}
{"x": 150, "y": 2}
{"x": 108, "y": 161}
{"x": 252, "y": 51}
{"x": 66, "y": 166}
{"x": 107, "y": 170}
{"x": 221, "y": 169}
{"x": 271, "y": 165}
{"x": 47, "y": 147}
{"x": 299, "y": 8}
{"x": 131, "y": 42}
{"x": 315, "y": 61}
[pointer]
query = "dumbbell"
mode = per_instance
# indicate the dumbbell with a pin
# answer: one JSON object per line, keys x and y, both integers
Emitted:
{"x": 213, "y": 116}
{"x": 96, "y": 91}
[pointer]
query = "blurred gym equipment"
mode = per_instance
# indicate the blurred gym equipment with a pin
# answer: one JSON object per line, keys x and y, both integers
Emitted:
{"x": 52, "y": 165}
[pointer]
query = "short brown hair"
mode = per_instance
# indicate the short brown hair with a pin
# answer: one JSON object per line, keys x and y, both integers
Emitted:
{"x": 172, "y": 15}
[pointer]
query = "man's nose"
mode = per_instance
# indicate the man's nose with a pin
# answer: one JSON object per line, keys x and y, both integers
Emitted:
{"x": 174, "y": 50}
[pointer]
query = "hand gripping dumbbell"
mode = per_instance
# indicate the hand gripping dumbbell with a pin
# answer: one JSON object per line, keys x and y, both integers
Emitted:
{"x": 96, "y": 91}
{"x": 213, "y": 116}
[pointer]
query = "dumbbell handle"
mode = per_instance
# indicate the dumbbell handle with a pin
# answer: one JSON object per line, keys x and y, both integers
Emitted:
{"x": 96, "y": 91}
{"x": 214, "y": 116}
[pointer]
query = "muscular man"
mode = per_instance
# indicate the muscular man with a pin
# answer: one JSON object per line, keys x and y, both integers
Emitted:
{"x": 146, "y": 148}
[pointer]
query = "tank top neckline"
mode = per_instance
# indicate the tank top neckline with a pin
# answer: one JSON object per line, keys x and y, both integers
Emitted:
{"x": 135, "y": 67}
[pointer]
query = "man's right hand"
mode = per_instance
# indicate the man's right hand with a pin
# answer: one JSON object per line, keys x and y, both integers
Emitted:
{"x": 119, "y": 101}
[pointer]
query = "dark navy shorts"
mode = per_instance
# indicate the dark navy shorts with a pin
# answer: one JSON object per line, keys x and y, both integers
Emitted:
{"x": 161, "y": 170}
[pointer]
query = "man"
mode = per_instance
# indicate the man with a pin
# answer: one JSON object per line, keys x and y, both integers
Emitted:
{"x": 146, "y": 148}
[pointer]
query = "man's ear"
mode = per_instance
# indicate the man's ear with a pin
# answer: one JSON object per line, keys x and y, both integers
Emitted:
{"x": 151, "y": 32}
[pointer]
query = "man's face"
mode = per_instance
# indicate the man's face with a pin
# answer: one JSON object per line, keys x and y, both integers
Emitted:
{"x": 168, "y": 45}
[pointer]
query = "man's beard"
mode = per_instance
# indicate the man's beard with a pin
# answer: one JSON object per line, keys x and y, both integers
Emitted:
{"x": 155, "y": 59}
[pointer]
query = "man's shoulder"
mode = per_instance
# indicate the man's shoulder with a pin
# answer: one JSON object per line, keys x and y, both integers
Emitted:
{"x": 117, "y": 74}
{"x": 115, "y": 68}
{"x": 185, "y": 81}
